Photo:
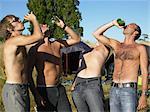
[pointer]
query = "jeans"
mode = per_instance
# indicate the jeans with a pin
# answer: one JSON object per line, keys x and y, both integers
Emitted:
{"x": 56, "y": 99}
{"x": 16, "y": 98}
{"x": 123, "y": 99}
{"x": 88, "y": 96}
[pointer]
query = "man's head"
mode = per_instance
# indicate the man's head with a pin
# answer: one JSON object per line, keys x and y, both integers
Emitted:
{"x": 9, "y": 24}
{"x": 133, "y": 30}
{"x": 44, "y": 27}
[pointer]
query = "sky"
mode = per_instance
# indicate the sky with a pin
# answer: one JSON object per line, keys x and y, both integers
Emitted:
{"x": 95, "y": 13}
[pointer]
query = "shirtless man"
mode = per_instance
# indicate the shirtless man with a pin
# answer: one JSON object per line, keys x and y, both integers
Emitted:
{"x": 15, "y": 91}
{"x": 128, "y": 57}
{"x": 88, "y": 93}
{"x": 49, "y": 94}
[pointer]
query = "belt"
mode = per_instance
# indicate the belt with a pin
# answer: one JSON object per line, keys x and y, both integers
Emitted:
{"x": 123, "y": 85}
{"x": 88, "y": 81}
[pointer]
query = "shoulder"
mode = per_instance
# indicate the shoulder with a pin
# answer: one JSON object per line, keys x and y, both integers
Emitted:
{"x": 114, "y": 43}
{"x": 13, "y": 40}
{"x": 9, "y": 45}
{"x": 114, "y": 40}
{"x": 141, "y": 47}
{"x": 62, "y": 43}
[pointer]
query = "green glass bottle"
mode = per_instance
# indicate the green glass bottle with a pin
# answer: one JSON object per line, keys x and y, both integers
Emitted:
{"x": 25, "y": 21}
{"x": 120, "y": 22}
{"x": 55, "y": 19}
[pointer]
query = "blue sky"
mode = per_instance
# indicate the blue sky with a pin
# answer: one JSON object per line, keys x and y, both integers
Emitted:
{"x": 96, "y": 13}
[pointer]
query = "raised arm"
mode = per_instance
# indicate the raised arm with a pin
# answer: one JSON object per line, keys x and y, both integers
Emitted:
{"x": 22, "y": 40}
{"x": 144, "y": 72}
{"x": 74, "y": 37}
{"x": 98, "y": 34}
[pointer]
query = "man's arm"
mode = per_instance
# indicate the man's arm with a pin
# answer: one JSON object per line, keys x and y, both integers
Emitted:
{"x": 147, "y": 43}
{"x": 144, "y": 72}
{"x": 22, "y": 40}
{"x": 74, "y": 37}
{"x": 98, "y": 34}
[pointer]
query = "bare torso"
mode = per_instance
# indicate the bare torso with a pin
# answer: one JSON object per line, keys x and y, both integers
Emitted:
{"x": 127, "y": 60}
{"x": 94, "y": 61}
{"x": 15, "y": 63}
{"x": 47, "y": 63}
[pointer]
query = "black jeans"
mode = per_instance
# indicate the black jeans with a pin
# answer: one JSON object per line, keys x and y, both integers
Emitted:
{"x": 56, "y": 99}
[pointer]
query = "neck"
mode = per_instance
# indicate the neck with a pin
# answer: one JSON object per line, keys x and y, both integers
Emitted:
{"x": 46, "y": 41}
{"x": 129, "y": 40}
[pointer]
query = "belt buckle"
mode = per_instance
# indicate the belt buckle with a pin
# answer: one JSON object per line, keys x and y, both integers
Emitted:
{"x": 120, "y": 85}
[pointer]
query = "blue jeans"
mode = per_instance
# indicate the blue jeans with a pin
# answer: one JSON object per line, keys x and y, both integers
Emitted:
{"x": 88, "y": 96}
{"x": 123, "y": 99}
{"x": 16, "y": 98}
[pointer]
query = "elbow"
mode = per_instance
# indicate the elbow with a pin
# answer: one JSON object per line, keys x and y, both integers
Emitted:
{"x": 95, "y": 35}
{"x": 40, "y": 35}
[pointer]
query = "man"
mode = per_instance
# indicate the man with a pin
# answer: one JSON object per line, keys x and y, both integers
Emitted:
{"x": 15, "y": 91}
{"x": 128, "y": 57}
{"x": 87, "y": 89}
{"x": 49, "y": 94}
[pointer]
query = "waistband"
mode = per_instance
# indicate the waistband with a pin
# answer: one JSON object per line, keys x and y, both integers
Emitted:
{"x": 123, "y": 85}
{"x": 80, "y": 80}
{"x": 17, "y": 85}
{"x": 48, "y": 85}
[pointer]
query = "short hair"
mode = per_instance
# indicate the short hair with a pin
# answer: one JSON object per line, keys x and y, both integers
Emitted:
{"x": 139, "y": 31}
{"x": 4, "y": 25}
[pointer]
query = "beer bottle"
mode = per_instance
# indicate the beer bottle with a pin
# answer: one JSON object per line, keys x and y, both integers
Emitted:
{"x": 24, "y": 21}
{"x": 55, "y": 19}
{"x": 120, "y": 22}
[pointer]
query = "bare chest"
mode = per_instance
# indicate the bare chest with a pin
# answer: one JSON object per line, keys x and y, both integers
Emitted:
{"x": 127, "y": 53}
{"x": 96, "y": 56}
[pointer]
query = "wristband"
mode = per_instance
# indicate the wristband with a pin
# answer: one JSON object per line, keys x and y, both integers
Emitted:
{"x": 64, "y": 26}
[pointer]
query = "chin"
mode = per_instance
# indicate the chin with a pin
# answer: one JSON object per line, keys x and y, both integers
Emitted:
{"x": 21, "y": 29}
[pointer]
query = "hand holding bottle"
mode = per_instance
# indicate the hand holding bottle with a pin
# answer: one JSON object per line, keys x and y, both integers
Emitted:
{"x": 119, "y": 23}
{"x": 58, "y": 21}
